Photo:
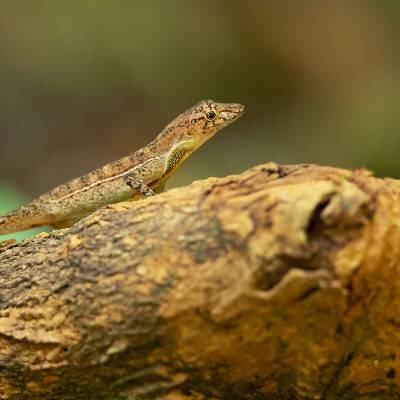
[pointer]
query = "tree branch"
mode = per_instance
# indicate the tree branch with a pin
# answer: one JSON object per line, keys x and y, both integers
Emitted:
{"x": 279, "y": 283}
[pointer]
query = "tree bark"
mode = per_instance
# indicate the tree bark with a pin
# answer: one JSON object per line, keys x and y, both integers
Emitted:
{"x": 278, "y": 283}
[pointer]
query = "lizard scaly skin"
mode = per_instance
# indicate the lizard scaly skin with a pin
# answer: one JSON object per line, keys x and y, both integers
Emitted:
{"x": 141, "y": 173}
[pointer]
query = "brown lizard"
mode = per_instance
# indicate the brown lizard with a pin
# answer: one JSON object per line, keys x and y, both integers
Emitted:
{"x": 142, "y": 173}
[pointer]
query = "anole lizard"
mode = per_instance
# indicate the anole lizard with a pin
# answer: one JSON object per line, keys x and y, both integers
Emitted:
{"x": 142, "y": 173}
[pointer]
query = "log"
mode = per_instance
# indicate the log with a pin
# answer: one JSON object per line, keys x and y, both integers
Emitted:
{"x": 278, "y": 283}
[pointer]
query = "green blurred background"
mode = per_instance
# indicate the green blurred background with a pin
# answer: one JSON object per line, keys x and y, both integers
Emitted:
{"x": 85, "y": 82}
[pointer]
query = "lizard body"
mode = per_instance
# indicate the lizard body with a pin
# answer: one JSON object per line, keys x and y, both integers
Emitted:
{"x": 143, "y": 172}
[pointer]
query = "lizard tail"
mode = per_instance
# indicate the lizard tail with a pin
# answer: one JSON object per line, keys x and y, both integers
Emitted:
{"x": 22, "y": 219}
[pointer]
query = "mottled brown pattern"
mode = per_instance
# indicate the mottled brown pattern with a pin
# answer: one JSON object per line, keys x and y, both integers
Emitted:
{"x": 150, "y": 165}
{"x": 280, "y": 283}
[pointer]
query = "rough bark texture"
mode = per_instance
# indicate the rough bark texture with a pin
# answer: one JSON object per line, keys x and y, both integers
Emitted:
{"x": 279, "y": 283}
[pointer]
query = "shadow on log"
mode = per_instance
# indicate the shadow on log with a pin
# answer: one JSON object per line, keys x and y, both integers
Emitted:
{"x": 279, "y": 283}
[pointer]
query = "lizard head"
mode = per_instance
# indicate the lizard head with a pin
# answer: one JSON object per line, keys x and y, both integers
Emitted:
{"x": 202, "y": 121}
{"x": 208, "y": 117}
{"x": 191, "y": 129}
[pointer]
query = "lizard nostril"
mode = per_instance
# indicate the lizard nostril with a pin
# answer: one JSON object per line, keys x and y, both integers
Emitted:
{"x": 240, "y": 108}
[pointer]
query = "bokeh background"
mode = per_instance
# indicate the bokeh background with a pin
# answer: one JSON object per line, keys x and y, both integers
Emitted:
{"x": 83, "y": 83}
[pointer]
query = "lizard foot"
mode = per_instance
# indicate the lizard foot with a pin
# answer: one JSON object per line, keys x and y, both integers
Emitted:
{"x": 139, "y": 186}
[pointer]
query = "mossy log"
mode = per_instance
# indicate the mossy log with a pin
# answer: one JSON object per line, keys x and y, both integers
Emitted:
{"x": 278, "y": 283}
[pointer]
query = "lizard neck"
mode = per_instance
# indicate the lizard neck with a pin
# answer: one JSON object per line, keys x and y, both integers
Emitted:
{"x": 171, "y": 142}
{"x": 176, "y": 156}
{"x": 167, "y": 140}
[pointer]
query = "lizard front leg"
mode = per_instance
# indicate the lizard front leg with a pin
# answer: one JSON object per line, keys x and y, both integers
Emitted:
{"x": 139, "y": 186}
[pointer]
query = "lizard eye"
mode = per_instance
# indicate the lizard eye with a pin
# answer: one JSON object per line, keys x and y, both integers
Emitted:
{"x": 211, "y": 115}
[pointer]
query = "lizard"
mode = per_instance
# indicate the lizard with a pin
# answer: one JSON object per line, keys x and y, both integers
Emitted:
{"x": 140, "y": 174}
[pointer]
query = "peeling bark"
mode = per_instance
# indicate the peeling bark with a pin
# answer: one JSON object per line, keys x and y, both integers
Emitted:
{"x": 278, "y": 283}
